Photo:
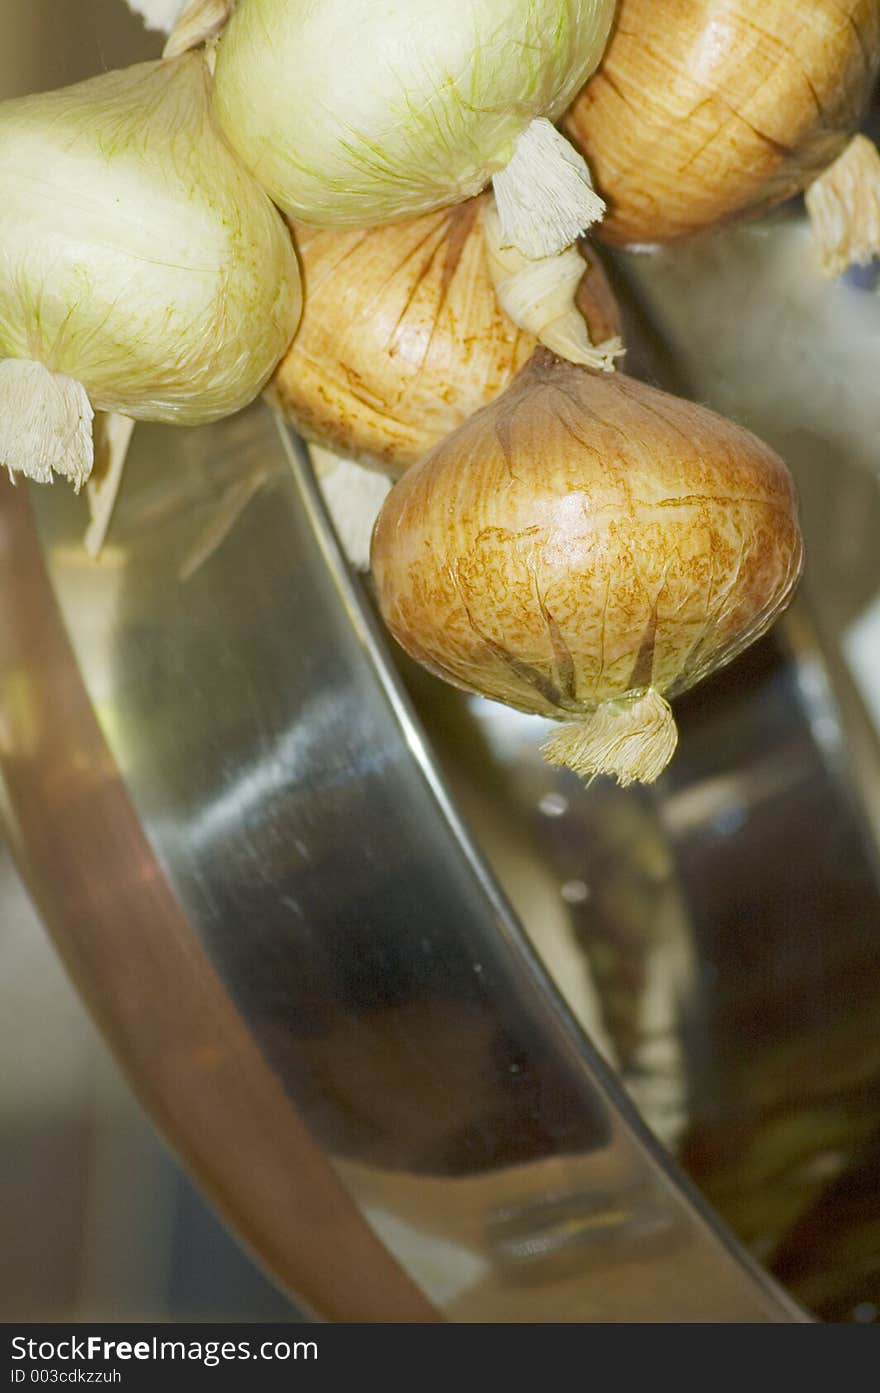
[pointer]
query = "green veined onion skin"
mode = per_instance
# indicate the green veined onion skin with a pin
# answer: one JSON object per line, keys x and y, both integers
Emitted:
{"x": 360, "y": 112}
{"x": 140, "y": 258}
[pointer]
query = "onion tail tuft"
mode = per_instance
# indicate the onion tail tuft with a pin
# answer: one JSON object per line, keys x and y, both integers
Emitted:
{"x": 198, "y": 22}
{"x": 45, "y": 423}
{"x": 632, "y": 738}
{"x": 844, "y": 208}
{"x": 545, "y": 196}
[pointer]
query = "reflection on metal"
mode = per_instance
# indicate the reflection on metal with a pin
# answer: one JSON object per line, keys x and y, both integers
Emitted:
{"x": 137, "y": 962}
{"x": 261, "y": 883}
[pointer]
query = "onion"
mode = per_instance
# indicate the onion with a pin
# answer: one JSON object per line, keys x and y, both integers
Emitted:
{"x": 143, "y": 271}
{"x": 584, "y": 548}
{"x": 402, "y": 337}
{"x": 708, "y": 109}
{"x": 354, "y": 113}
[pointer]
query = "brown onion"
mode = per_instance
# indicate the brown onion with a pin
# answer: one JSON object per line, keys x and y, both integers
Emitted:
{"x": 707, "y": 109}
{"x": 583, "y": 548}
{"x": 402, "y": 337}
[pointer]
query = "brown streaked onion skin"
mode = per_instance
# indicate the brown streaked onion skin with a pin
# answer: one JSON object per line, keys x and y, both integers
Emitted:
{"x": 402, "y": 337}
{"x": 704, "y": 110}
{"x": 585, "y": 537}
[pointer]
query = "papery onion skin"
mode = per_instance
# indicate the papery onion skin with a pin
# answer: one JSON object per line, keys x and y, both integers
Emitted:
{"x": 353, "y": 113}
{"x": 139, "y": 257}
{"x": 705, "y": 110}
{"x": 585, "y": 537}
{"x": 402, "y": 337}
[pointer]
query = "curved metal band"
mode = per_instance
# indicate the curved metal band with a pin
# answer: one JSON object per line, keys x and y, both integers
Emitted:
{"x": 263, "y": 890}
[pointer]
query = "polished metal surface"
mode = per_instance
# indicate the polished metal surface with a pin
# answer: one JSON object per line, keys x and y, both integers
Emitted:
{"x": 68, "y": 817}
{"x": 337, "y": 920}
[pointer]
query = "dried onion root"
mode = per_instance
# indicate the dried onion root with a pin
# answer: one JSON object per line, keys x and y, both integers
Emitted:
{"x": 844, "y": 208}
{"x": 586, "y": 547}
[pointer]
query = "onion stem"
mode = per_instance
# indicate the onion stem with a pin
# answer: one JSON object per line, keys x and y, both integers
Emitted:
{"x": 545, "y": 196}
{"x": 844, "y": 208}
{"x": 632, "y": 738}
{"x": 198, "y": 22}
{"x": 45, "y": 423}
{"x": 539, "y": 296}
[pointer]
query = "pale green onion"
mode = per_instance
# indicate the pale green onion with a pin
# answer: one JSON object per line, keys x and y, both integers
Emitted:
{"x": 143, "y": 270}
{"x": 353, "y": 113}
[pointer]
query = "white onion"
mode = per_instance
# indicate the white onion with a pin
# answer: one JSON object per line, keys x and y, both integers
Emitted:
{"x": 353, "y": 113}
{"x": 143, "y": 270}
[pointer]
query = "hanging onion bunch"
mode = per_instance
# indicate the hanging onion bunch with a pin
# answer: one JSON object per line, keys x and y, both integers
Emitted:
{"x": 354, "y": 113}
{"x": 143, "y": 270}
{"x": 584, "y": 548}
{"x": 403, "y": 336}
{"x": 708, "y": 109}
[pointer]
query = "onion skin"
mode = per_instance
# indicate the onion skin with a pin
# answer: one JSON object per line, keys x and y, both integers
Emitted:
{"x": 139, "y": 257}
{"x": 586, "y": 538}
{"x": 355, "y": 113}
{"x": 705, "y": 110}
{"x": 402, "y": 337}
